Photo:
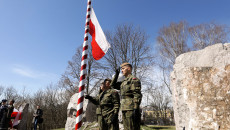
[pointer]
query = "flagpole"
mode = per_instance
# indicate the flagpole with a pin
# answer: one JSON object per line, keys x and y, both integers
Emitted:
{"x": 83, "y": 72}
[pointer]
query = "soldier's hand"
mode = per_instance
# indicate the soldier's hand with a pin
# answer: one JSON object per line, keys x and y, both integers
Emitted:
{"x": 117, "y": 71}
{"x": 87, "y": 96}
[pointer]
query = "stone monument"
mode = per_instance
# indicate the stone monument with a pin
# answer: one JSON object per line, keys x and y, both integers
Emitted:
{"x": 89, "y": 112}
{"x": 200, "y": 83}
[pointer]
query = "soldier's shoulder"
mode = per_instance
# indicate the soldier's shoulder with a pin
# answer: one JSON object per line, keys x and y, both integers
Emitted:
{"x": 113, "y": 90}
{"x": 134, "y": 78}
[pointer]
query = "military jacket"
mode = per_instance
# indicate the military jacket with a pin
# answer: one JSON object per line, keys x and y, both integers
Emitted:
{"x": 98, "y": 110}
{"x": 10, "y": 111}
{"x": 108, "y": 101}
{"x": 130, "y": 93}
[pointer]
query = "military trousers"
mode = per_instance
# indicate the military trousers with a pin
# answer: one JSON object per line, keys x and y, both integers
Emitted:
{"x": 99, "y": 120}
{"x": 108, "y": 124}
{"x": 129, "y": 122}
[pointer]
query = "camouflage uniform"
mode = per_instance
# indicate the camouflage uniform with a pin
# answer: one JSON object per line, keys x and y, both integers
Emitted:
{"x": 99, "y": 117}
{"x": 98, "y": 113}
{"x": 130, "y": 101}
{"x": 109, "y": 104}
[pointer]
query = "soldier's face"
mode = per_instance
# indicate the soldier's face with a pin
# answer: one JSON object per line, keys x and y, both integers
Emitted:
{"x": 107, "y": 83}
{"x": 11, "y": 102}
{"x": 126, "y": 70}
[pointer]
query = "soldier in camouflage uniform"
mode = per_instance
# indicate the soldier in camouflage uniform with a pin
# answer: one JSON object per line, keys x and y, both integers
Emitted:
{"x": 130, "y": 98}
{"x": 98, "y": 110}
{"x": 109, "y": 102}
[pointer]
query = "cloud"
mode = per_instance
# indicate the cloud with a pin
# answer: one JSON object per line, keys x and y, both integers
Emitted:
{"x": 24, "y": 72}
{"x": 31, "y": 73}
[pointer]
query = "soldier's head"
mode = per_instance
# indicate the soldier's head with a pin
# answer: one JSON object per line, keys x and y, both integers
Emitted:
{"x": 126, "y": 69}
{"x": 107, "y": 82}
{"x": 4, "y": 102}
{"x": 12, "y": 101}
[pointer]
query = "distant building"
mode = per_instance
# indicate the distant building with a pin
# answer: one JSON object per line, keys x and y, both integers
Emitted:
{"x": 158, "y": 117}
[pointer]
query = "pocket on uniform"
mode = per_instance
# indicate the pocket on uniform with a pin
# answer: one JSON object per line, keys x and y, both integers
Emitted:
{"x": 132, "y": 87}
{"x": 127, "y": 104}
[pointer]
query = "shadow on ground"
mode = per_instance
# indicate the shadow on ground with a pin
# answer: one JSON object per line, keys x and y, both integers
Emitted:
{"x": 160, "y": 128}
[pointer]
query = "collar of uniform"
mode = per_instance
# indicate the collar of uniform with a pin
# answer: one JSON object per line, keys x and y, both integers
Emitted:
{"x": 130, "y": 75}
{"x": 106, "y": 90}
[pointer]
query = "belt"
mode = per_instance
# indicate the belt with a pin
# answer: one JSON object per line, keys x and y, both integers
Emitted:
{"x": 125, "y": 97}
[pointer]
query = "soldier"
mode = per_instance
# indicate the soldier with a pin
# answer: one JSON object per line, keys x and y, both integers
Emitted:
{"x": 3, "y": 115}
{"x": 98, "y": 110}
{"x": 108, "y": 101}
{"x": 130, "y": 98}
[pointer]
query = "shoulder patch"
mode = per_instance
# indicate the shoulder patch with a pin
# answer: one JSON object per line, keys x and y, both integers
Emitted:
{"x": 134, "y": 78}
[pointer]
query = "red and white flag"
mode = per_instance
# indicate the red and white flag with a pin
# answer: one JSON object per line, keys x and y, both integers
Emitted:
{"x": 99, "y": 43}
{"x": 17, "y": 115}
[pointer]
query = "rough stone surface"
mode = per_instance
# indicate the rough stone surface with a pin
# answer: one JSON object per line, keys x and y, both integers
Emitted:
{"x": 200, "y": 84}
{"x": 89, "y": 112}
{"x": 23, "y": 123}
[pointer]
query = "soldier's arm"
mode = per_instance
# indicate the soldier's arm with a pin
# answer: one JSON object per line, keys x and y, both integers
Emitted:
{"x": 114, "y": 80}
{"x": 116, "y": 101}
{"x": 94, "y": 100}
{"x": 136, "y": 88}
{"x": 114, "y": 84}
{"x": 117, "y": 85}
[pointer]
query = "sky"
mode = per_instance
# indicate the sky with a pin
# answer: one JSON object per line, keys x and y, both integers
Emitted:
{"x": 39, "y": 37}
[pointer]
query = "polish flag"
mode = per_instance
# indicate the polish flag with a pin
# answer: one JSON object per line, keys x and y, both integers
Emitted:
{"x": 99, "y": 43}
{"x": 17, "y": 115}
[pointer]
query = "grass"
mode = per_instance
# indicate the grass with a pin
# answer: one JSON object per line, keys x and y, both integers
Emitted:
{"x": 149, "y": 127}
{"x": 156, "y": 127}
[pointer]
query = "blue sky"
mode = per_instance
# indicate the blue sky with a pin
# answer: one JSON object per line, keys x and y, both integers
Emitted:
{"x": 38, "y": 37}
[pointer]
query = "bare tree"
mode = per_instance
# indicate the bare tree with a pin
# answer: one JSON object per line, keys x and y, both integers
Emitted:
{"x": 160, "y": 103}
{"x": 206, "y": 34}
{"x": 165, "y": 68}
{"x": 10, "y": 93}
{"x": 1, "y": 91}
{"x": 37, "y": 99}
{"x": 23, "y": 97}
{"x": 129, "y": 44}
{"x": 172, "y": 41}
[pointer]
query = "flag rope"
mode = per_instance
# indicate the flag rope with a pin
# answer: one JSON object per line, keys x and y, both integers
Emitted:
{"x": 83, "y": 72}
